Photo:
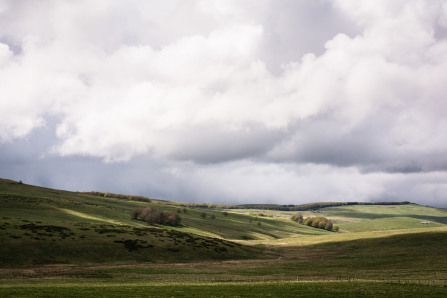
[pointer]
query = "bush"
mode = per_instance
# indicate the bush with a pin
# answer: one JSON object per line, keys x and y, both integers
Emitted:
{"x": 155, "y": 216}
{"x": 172, "y": 219}
{"x": 298, "y": 218}
{"x": 308, "y": 221}
{"x": 136, "y": 213}
{"x": 203, "y": 215}
{"x": 318, "y": 222}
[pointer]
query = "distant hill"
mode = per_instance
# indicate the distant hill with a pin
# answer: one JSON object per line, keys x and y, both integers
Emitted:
{"x": 313, "y": 206}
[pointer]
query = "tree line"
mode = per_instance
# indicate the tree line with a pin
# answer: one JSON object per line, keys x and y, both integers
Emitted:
{"x": 318, "y": 222}
{"x": 118, "y": 196}
{"x": 312, "y": 206}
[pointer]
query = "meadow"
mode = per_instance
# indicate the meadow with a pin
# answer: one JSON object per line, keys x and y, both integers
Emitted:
{"x": 60, "y": 243}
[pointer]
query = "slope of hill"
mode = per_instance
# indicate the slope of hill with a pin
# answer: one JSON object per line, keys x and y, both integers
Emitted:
{"x": 60, "y": 243}
{"x": 41, "y": 226}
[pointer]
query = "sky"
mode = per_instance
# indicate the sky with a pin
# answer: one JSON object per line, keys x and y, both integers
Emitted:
{"x": 227, "y": 101}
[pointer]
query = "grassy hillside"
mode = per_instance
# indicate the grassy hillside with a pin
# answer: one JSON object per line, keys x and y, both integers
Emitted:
{"x": 107, "y": 253}
{"x": 33, "y": 203}
{"x": 404, "y": 265}
{"x": 41, "y": 226}
{"x": 368, "y": 218}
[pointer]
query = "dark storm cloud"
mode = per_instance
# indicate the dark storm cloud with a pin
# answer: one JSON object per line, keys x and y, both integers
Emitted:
{"x": 210, "y": 144}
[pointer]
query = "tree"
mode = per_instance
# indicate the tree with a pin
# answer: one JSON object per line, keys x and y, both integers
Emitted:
{"x": 155, "y": 216}
{"x": 136, "y": 213}
{"x": 328, "y": 226}
{"x": 308, "y": 221}
{"x": 298, "y": 218}
{"x": 172, "y": 219}
{"x": 322, "y": 225}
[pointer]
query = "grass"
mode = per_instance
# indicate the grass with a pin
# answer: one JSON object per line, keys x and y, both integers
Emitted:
{"x": 27, "y": 243}
{"x": 42, "y": 204}
{"x": 60, "y": 243}
{"x": 265, "y": 289}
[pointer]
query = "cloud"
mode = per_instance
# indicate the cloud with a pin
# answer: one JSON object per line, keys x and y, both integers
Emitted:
{"x": 233, "y": 91}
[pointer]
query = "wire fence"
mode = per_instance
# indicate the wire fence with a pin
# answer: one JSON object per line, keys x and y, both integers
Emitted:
{"x": 257, "y": 279}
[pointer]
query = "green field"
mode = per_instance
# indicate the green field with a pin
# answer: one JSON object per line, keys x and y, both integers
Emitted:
{"x": 264, "y": 289}
{"x": 60, "y": 243}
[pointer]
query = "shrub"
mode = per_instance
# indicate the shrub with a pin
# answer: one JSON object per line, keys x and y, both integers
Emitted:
{"x": 136, "y": 213}
{"x": 297, "y": 218}
{"x": 308, "y": 221}
{"x": 155, "y": 216}
{"x": 203, "y": 215}
{"x": 225, "y": 213}
{"x": 322, "y": 225}
{"x": 318, "y": 222}
{"x": 172, "y": 219}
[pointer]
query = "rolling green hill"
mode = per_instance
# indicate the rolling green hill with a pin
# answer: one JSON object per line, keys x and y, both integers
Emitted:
{"x": 44, "y": 226}
{"x": 56, "y": 242}
{"x": 41, "y": 225}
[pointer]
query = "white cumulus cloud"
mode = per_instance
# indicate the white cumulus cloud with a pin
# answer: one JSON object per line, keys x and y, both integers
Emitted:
{"x": 236, "y": 90}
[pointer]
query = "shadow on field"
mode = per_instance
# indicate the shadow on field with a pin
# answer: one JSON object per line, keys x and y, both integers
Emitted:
{"x": 365, "y": 215}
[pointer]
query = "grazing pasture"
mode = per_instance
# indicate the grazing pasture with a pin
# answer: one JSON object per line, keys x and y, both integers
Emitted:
{"x": 60, "y": 243}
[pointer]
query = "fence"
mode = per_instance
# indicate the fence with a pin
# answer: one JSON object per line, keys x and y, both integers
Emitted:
{"x": 257, "y": 279}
